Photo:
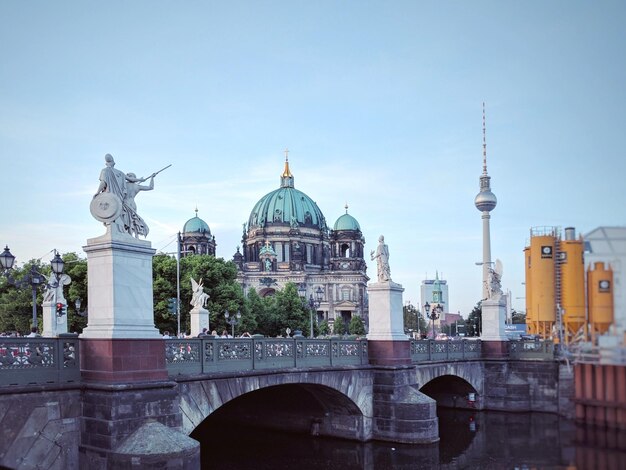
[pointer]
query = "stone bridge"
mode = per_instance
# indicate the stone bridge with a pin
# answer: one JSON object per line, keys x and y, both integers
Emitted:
{"x": 52, "y": 418}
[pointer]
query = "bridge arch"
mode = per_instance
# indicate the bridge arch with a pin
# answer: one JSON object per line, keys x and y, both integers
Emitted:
{"x": 326, "y": 402}
{"x": 451, "y": 383}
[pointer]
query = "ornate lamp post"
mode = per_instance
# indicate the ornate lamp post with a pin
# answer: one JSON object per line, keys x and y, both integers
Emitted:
{"x": 232, "y": 321}
{"x": 434, "y": 315}
{"x": 313, "y": 303}
{"x": 34, "y": 279}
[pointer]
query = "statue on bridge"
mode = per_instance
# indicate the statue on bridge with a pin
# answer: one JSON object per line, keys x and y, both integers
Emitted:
{"x": 199, "y": 298}
{"x": 114, "y": 201}
{"x": 494, "y": 286}
{"x": 382, "y": 260}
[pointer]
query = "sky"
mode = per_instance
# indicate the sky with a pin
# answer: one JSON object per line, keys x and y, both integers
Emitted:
{"x": 379, "y": 103}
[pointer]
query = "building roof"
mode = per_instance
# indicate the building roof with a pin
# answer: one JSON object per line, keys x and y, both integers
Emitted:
{"x": 196, "y": 224}
{"x": 346, "y": 222}
{"x": 286, "y": 206}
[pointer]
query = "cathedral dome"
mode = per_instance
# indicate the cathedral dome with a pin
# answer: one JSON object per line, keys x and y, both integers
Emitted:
{"x": 196, "y": 224}
{"x": 346, "y": 222}
{"x": 286, "y": 206}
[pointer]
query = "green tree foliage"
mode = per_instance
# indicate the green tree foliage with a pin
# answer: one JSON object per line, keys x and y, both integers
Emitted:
{"x": 324, "y": 328}
{"x": 413, "y": 319}
{"x": 76, "y": 268}
{"x": 473, "y": 323}
{"x": 340, "y": 327}
{"x": 356, "y": 326}
{"x": 219, "y": 279}
{"x": 518, "y": 317}
{"x": 164, "y": 288}
{"x": 16, "y": 303}
{"x": 287, "y": 311}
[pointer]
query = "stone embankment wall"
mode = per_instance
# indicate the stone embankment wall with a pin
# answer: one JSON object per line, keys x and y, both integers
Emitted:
{"x": 40, "y": 429}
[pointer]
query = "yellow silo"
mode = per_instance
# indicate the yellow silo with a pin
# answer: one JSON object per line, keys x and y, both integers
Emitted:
{"x": 572, "y": 268}
{"x": 600, "y": 298}
{"x": 542, "y": 277}
{"x": 529, "y": 303}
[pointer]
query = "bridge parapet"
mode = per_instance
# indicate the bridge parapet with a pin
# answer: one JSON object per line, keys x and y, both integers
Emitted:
{"x": 424, "y": 350}
{"x": 209, "y": 355}
{"x": 39, "y": 361}
{"x": 533, "y": 349}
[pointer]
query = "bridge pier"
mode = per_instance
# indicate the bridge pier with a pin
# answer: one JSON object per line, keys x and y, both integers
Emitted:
{"x": 138, "y": 423}
{"x": 401, "y": 412}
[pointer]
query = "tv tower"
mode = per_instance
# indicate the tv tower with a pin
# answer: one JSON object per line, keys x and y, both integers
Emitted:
{"x": 485, "y": 202}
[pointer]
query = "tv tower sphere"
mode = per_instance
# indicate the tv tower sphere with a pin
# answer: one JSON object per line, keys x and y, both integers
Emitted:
{"x": 485, "y": 201}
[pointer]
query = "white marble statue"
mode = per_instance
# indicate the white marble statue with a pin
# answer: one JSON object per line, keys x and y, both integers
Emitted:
{"x": 54, "y": 288}
{"x": 494, "y": 287}
{"x": 114, "y": 201}
{"x": 199, "y": 298}
{"x": 382, "y": 260}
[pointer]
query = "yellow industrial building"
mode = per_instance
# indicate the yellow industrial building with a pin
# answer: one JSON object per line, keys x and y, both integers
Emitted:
{"x": 558, "y": 305}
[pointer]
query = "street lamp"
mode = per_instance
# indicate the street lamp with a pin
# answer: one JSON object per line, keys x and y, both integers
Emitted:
{"x": 34, "y": 279}
{"x": 77, "y": 303}
{"x": 434, "y": 315}
{"x": 313, "y": 304}
{"x": 232, "y": 321}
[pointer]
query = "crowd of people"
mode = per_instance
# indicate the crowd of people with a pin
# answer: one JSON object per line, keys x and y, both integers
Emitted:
{"x": 205, "y": 332}
{"x": 33, "y": 333}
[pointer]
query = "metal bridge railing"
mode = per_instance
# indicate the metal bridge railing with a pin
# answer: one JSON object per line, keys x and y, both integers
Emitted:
{"x": 531, "y": 349}
{"x": 39, "y": 361}
{"x": 424, "y": 350}
{"x": 210, "y": 355}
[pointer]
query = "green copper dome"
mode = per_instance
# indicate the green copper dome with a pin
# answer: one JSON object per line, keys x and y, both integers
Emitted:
{"x": 286, "y": 206}
{"x": 196, "y": 224}
{"x": 346, "y": 222}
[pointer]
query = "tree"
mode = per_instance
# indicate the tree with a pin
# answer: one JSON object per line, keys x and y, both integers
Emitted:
{"x": 339, "y": 327}
{"x": 324, "y": 328}
{"x": 288, "y": 311}
{"x": 518, "y": 317}
{"x": 356, "y": 326}
{"x": 76, "y": 268}
{"x": 474, "y": 320}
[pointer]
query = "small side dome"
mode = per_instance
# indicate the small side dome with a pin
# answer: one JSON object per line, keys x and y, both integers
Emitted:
{"x": 196, "y": 224}
{"x": 346, "y": 222}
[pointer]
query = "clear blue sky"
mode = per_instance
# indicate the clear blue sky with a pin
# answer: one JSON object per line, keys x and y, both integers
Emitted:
{"x": 379, "y": 102}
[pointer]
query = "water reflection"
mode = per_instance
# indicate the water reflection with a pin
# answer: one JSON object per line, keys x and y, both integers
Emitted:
{"x": 485, "y": 440}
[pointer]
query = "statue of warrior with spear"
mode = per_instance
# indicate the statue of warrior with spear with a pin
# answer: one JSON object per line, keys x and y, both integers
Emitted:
{"x": 114, "y": 202}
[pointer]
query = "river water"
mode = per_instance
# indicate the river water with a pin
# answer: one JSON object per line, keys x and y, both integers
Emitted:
{"x": 469, "y": 440}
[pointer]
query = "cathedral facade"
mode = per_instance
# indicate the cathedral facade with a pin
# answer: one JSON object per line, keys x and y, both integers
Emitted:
{"x": 287, "y": 239}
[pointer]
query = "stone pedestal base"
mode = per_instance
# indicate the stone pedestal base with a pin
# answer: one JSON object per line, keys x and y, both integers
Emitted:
{"x": 389, "y": 353}
{"x": 53, "y": 325}
{"x": 120, "y": 287}
{"x": 401, "y": 412}
{"x": 495, "y": 349}
{"x": 199, "y": 319}
{"x": 134, "y": 426}
{"x": 122, "y": 360}
{"x": 493, "y": 320}
{"x": 385, "y": 312}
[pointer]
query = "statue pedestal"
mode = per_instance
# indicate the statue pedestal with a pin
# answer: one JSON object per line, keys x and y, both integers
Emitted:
{"x": 120, "y": 343}
{"x": 493, "y": 334}
{"x": 53, "y": 325}
{"x": 199, "y": 319}
{"x": 120, "y": 287}
{"x": 387, "y": 343}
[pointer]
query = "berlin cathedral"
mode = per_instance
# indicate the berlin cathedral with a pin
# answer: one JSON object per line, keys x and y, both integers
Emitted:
{"x": 286, "y": 239}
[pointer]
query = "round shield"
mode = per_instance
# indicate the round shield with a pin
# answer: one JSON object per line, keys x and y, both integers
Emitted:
{"x": 106, "y": 207}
